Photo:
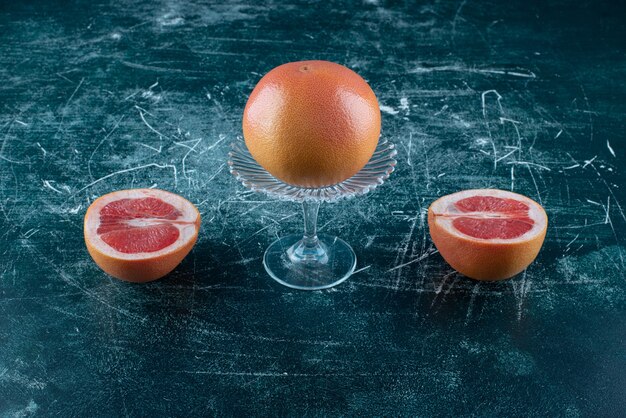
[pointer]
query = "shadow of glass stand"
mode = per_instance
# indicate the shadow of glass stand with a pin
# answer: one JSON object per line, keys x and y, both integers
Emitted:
{"x": 310, "y": 261}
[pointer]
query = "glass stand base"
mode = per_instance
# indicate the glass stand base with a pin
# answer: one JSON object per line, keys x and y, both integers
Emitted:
{"x": 290, "y": 265}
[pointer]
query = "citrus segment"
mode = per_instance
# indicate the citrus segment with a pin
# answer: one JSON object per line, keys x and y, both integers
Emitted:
{"x": 492, "y": 228}
{"x": 490, "y": 204}
{"x": 487, "y": 234}
{"x": 140, "y": 234}
{"x": 312, "y": 123}
{"x": 147, "y": 239}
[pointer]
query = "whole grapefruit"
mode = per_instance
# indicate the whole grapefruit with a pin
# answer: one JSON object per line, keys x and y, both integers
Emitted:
{"x": 312, "y": 123}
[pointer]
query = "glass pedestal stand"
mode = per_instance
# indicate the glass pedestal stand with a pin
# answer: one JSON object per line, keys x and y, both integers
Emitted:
{"x": 310, "y": 261}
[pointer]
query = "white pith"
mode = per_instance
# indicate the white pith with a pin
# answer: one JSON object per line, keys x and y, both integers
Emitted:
{"x": 185, "y": 223}
{"x": 445, "y": 212}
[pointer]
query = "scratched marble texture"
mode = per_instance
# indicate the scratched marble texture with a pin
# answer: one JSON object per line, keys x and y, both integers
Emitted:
{"x": 524, "y": 96}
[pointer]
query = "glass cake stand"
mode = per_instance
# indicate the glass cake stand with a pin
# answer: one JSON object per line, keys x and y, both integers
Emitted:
{"x": 310, "y": 261}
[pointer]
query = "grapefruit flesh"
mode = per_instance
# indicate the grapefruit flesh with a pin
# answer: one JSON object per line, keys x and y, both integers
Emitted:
{"x": 487, "y": 234}
{"x": 312, "y": 123}
{"x": 490, "y": 217}
{"x": 138, "y": 225}
{"x": 142, "y": 234}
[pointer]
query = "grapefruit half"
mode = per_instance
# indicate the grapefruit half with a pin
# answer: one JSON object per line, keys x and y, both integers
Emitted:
{"x": 140, "y": 235}
{"x": 487, "y": 234}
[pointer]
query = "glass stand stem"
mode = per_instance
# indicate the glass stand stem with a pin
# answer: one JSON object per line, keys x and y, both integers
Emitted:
{"x": 309, "y": 249}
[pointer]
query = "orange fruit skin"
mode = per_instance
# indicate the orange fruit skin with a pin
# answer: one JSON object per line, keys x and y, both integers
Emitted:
{"x": 484, "y": 260}
{"x": 312, "y": 123}
{"x": 142, "y": 270}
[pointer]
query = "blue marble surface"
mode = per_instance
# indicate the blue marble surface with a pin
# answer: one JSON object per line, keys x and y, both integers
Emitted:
{"x": 524, "y": 96}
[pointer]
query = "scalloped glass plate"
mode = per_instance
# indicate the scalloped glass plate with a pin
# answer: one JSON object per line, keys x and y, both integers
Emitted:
{"x": 256, "y": 178}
